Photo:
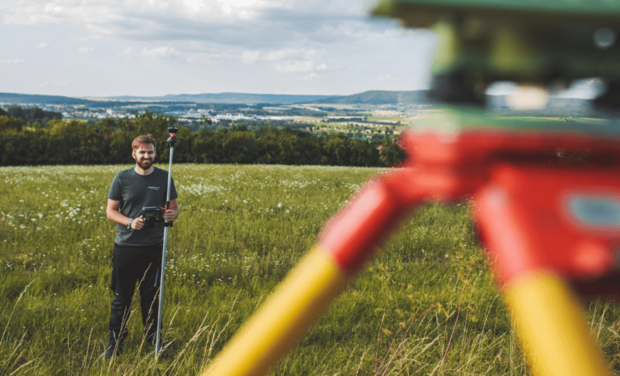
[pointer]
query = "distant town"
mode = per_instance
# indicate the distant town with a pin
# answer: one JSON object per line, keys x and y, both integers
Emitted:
{"x": 370, "y": 115}
{"x": 365, "y": 120}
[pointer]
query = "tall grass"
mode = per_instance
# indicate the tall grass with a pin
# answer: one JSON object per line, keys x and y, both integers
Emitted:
{"x": 425, "y": 305}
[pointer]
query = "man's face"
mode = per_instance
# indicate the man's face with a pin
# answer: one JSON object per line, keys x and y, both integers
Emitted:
{"x": 144, "y": 156}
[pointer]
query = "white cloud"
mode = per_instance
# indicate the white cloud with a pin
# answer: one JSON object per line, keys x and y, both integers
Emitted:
{"x": 55, "y": 84}
{"x": 99, "y": 12}
{"x": 209, "y": 57}
{"x": 223, "y": 22}
{"x": 296, "y": 66}
{"x": 42, "y": 45}
{"x": 289, "y": 60}
{"x": 126, "y": 52}
{"x": 164, "y": 52}
{"x": 85, "y": 50}
{"x": 186, "y": 56}
{"x": 388, "y": 78}
{"x": 12, "y": 62}
{"x": 206, "y": 58}
{"x": 250, "y": 57}
{"x": 306, "y": 77}
{"x": 288, "y": 54}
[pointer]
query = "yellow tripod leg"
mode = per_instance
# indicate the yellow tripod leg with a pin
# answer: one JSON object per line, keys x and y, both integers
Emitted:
{"x": 552, "y": 328}
{"x": 295, "y": 305}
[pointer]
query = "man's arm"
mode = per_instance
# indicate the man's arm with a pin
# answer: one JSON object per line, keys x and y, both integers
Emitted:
{"x": 115, "y": 216}
{"x": 173, "y": 211}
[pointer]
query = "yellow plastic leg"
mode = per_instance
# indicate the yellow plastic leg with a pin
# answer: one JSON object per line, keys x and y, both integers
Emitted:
{"x": 552, "y": 328}
{"x": 295, "y": 305}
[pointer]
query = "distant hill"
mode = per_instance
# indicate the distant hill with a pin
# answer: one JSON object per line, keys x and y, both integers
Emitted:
{"x": 374, "y": 97}
{"x": 229, "y": 98}
{"x": 556, "y": 107}
{"x": 41, "y": 99}
{"x": 35, "y": 99}
{"x": 378, "y": 97}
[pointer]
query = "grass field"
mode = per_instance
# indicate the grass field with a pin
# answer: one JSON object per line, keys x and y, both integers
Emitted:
{"x": 426, "y": 305}
{"x": 387, "y": 118}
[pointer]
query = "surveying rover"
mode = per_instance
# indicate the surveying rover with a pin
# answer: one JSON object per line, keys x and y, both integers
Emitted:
{"x": 547, "y": 193}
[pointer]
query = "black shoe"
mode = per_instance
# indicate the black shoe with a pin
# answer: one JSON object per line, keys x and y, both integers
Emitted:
{"x": 112, "y": 350}
{"x": 114, "y": 345}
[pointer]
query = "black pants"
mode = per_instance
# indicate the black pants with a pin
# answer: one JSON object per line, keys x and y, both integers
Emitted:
{"x": 131, "y": 265}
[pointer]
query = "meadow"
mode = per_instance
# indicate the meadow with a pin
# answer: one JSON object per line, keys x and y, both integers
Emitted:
{"x": 426, "y": 305}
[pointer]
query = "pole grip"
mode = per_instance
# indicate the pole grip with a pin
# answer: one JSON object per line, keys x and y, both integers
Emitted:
{"x": 551, "y": 327}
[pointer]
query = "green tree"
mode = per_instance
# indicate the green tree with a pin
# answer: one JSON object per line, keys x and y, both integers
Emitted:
{"x": 73, "y": 142}
{"x": 109, "y": 141}
{"x": 9, "y": 123}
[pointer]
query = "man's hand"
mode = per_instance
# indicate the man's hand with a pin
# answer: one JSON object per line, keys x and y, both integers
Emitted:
{"x": 170, "y": 215}
{"x": 137, "y": 223}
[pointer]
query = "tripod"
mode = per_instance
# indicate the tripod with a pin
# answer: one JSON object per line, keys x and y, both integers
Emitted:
{"x": 551, "y": 224}
{"x": 552, "y": 227}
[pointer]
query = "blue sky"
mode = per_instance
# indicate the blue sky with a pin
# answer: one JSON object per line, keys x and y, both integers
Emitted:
{"x": 158, "y": 47}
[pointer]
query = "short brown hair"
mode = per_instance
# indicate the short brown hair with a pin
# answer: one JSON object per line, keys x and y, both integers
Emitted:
{"x": 145, "y": 139}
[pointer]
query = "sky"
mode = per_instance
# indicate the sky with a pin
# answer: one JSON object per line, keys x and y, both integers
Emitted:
{"x": 101, "y": 48}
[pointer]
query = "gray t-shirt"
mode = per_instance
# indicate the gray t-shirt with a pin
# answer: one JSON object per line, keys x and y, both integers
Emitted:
{"x": 136, "y": 191}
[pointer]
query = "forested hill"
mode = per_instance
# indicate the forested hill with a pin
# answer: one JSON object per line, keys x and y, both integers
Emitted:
{"x": 62, "y": 100}
{"x": 230, "y": 98}
{"x": 41, "y": 99}
{"x": 377, "y": 97}
{"x": 374, "y": 97}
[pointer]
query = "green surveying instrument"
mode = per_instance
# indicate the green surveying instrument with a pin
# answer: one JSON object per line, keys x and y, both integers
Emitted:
{"x": 529, "y": 42}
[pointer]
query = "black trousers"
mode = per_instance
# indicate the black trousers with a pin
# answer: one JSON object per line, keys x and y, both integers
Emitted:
{"x": 135, "y": 265}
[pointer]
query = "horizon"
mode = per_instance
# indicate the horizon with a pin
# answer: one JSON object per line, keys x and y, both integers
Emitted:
{"x": 581, "y": 89}
{"x": 209, "y": 93}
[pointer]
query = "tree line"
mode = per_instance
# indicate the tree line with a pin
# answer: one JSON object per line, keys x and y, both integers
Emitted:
{"x": 30, "y": 114}
{"x": 108, "y": 141}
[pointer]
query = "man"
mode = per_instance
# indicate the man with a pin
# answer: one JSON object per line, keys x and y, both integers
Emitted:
{"x": 137, "y": 250}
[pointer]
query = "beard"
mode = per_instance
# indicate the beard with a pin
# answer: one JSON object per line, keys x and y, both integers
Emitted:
{"x": 145, "y": 164}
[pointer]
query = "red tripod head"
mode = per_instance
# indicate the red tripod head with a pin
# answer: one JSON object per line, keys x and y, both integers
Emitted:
{"x": 544, "y": 199}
